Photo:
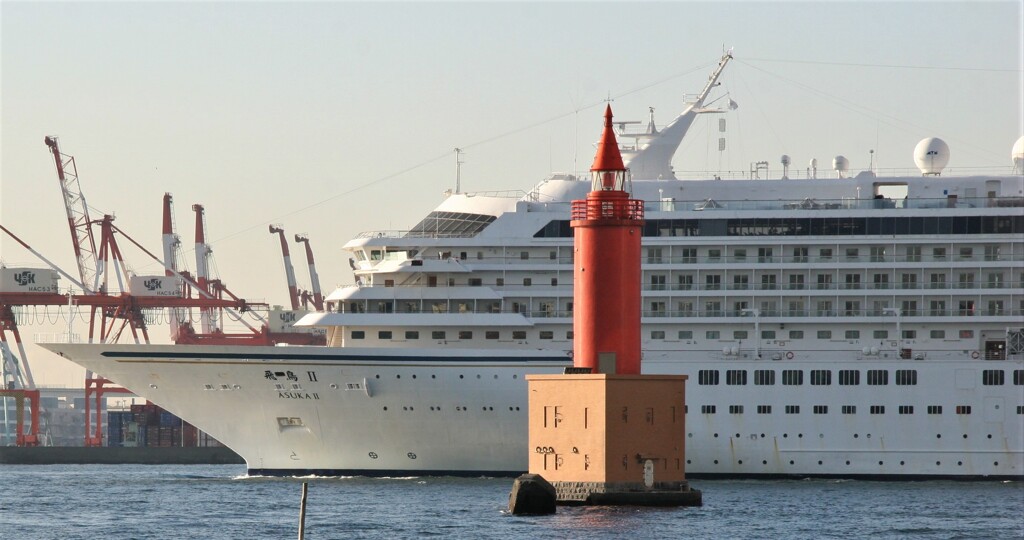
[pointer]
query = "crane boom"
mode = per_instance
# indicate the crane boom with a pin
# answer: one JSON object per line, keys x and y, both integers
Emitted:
{"x": 314, "y": 279}
{"x": 78, "y": 217}
{"x": 293, "y": 287}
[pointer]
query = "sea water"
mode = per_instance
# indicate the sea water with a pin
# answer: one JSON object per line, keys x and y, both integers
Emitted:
{"x": 222, "y": 502}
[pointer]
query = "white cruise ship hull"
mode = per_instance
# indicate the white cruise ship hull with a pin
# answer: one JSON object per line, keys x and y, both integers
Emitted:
{"x": 342, "y": 411}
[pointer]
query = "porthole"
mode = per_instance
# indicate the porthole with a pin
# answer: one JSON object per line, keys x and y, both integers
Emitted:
{"x": 737, "y": 435}
{"x": 478, "y": 376}
{"x": 965, "y": 435}
{"x": 791, "y": 462}
{"x": 495, "y": 376}
{"x": 937, "y": 463}
{"x": 819, "y": 462}
{"x": 821, "y": 435}
{"x": 399, "y": 376}
{"x": 959, "y": 463}
{"x": 377, "y": 375}
{"x": 785, "y": 435}
{"x": 690, "y": 435}
{"x": 762, "y": 435}
{"x": 334, "y": 386}
{"x": 879, "y": 462}
{"x": 869, "y": 435}
{"x": 385, "y": 408}
{"x": 938, "y": 435}
{"x": 515, "y": 376}
{"x": 433, "y": 376}
{"x": 903, "y": 462}
{"x": 989, "y": 435}
{"x": 801, "y": 436}
{"x": 740, "y": 462}
{"x": 413, "y": 375}
{"x": 847, "y": 462}
{"x": 688, "y": 462}
{"x": 855, "y": 435}
{"x": 716, "y": 462}
{"x": 716, "y": 435}
{"x": 995, "y": 463}
{"x": 764, "y": 462}
{"x": 462, "y": 377}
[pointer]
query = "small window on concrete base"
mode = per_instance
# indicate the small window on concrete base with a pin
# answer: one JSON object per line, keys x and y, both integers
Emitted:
{"x": 606, "y": 362}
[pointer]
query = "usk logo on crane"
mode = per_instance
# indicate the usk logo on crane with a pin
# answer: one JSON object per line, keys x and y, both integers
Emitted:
{"x": 153, "y": 284}
{"x": 25, "y": 278}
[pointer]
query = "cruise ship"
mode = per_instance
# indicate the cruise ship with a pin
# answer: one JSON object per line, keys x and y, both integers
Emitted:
{"x": 832, "y": 325}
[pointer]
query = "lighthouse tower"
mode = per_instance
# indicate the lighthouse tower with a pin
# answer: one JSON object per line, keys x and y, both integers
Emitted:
{"x": 606, "y": 291}
{"x": 602, "y": 433}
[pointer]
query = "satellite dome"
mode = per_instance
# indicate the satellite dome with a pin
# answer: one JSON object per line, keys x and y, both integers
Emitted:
{"x": 1017, "y": 154}
{"x": 785, "y": 160}
{"x": 840, "y": 164}
{"x": 814, "y": 163}
{"x": 931, "y": 155}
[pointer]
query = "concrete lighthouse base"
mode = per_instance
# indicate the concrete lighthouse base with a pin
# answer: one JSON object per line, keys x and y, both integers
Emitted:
{"x": 610, "y": 439}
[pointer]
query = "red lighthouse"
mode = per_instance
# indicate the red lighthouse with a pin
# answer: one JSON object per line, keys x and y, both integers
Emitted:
{"x": 607, "y": 228}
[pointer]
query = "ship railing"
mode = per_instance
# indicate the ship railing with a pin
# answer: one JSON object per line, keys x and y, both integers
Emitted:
{"x": 816, "y": 205}
{"x": 803, "y": 259}
{"x": 824, "y": 175}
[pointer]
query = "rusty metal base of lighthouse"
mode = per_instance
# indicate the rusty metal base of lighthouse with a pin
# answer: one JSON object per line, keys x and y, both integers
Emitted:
{"x": 603, "y": 439}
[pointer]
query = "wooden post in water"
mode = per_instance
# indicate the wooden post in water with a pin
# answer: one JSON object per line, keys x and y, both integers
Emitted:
{"x": 302, "y": 511}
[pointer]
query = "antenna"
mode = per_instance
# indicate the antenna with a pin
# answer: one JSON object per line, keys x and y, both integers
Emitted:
{"x": 458, "y": 170}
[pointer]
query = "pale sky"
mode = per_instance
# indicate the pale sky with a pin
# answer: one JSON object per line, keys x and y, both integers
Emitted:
{"x": 337, "y": 118}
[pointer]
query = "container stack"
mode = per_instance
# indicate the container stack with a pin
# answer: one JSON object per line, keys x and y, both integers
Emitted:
{"x": 151, "y": 426}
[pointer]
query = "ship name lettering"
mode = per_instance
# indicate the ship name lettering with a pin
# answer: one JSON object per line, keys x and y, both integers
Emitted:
{"x": 298, "y": 395}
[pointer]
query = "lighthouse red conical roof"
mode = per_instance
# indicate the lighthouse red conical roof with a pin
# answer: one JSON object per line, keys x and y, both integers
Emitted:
{"x": 608, "y": 157}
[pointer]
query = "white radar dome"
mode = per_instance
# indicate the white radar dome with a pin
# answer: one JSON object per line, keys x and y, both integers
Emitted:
{"x": 931, "y": 155}
{"x": 785, "y": 160}
{"x": 814, "y": 163}
{"x": 1017, "y": 154}
{"x": 840, "y": 164}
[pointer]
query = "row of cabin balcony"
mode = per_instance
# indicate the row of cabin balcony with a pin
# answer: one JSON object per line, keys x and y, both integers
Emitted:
{"x": 761, "y": 282}
{"x": 711, "y": 308}
{"x": 745, "y": 254}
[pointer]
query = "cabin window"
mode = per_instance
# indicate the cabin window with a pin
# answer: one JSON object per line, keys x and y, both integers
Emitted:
{"x": 767, "y": 334}
{"x": 906, "y": 377}
{"x": 547, "y": 334}
{"x": 792, "y": 409}
{"x": 764, "y": 409}
{"x": 821, "y": 409}
{"x": 735, "y": 409}
{"x": 519, "y": 334}
{"x": 657, "y": 334}
{"x": 358, "y": 334}
{"x": 935, "y": 409}
{"x": 796, "y": 334}
{"x": 906, "y": 409}
{"x": 877, "y": 409}
{"x": 824, "y": 334}
{"x": 849, "y": 409}
{"x": 993, "y": 377}
{"x": 437, "y": 334}
{"x": 792, "y": 377}
{"x": 821, "y": 377}
{"x": 736, "y": 377}
{"x": 707, "y": 409}
{"x": 412, "y": 334}
{"x": 764, "y": 377}
{"x": 465, "y": 334}
{"x": 384, "y": 334}
{"x": 685, "y": 334}
{"x": 878, "y": 377}
{"x": 707, "y": 377}
{"x": 491, "y": 334}
{"x": 849, "y": 377}
{"x": 711, "y": 334}
{"x": 963, "y": 409}
{"x": 739, "y": 334}
{"x": 937, "y": 334}
{"x": 880, "y": 334}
